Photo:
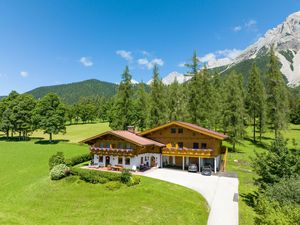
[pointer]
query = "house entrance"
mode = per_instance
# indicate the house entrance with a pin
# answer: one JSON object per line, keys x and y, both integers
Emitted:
{"x": 107, "y": 160}
{"x": 153, "y": 163}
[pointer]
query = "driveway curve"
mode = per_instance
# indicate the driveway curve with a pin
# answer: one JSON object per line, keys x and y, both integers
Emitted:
{"x": 220, "y": 192}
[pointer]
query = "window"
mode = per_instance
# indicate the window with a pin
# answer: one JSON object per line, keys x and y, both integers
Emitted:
{"x": 180, "y": 145}
{"x": 127, "y": 161}
{"x": 180, "y": 130}
{"x": 128, "y": 146}
{"x": 173, "y": 130}
{"x": 173, "y": 144}
{"x": 203, "y": 145}
{"x": 120, "y": 146}
{"x": 101, "y": 145}
{"x": 101, "y": 159}
{"x": 195, "y": 145}
{"x": 120, "y": 160}
{"x": 107, "y": 145}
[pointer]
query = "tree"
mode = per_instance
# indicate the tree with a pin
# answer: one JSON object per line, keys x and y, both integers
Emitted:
{"x": 256, "y": 101}
{"x": 176, "y": 102}
{"x": 194, "y": 66}
{"x": 49, "y": 115}
{"x": 233, "y": 108}
{"x": 157, "y": 111}
{"x": 23, "y": 114}
{"x": 276, "y": 96}
{"x": 122, "y": 112}
{"x": 141, "y": 106}
{"x": 275, "y": 164}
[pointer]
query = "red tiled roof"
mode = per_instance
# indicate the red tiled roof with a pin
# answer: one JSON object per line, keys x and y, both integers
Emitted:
{"x": 136, "y": 138}
{"x": 129, "y": 136}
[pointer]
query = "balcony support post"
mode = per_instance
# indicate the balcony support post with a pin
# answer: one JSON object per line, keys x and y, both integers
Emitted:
{"x": 215, "y": 164}
{"x": 182, "y": 162}
{"x": 199, "y": 164}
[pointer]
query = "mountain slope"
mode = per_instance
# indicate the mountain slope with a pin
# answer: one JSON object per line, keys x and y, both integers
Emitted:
{"x": 286, "y": 41}
{"x": 70, "y": 93}
{"x": 171, "y": 77}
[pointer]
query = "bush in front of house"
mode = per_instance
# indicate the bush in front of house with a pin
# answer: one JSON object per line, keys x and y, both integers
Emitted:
{"x": 113, "y": 185}
{"x": 56, "y": 159}
{"x": 93, "y": 176}
{"x": 134, "y": 180}
{"x": 125, "y": 176}
{"x": 59, "y": 171}
{"x": 78, "y": 159}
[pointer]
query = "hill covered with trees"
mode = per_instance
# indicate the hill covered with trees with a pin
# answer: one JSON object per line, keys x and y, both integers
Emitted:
{"x": 71, "y": 93}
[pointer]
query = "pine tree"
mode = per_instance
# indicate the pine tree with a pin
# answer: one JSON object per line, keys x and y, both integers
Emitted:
{"x": 141, "y": 107}
{"x": 123, "y": 108}
{"x": 233, "y": 109}
{"x": 176, "y": 102}
{"x": 256, "y": 101}
{"x": 157, "y": 109}
{"x": 276, "y": 96}
{"x": 217, "y": 96}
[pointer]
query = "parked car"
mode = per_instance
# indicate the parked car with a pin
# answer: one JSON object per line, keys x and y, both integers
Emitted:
{"x": 193, "y": 168}
{"x": 206, "y": 171}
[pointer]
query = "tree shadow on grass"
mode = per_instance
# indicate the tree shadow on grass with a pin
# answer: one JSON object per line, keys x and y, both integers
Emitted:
{"x": 47, "y": 142}
{"x": 250, "y": 198}
{"x": 258, "y": 143}
{"x": 18, "y": 139}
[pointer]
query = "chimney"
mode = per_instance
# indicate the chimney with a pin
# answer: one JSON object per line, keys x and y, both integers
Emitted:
{"x": 131, "y": 129}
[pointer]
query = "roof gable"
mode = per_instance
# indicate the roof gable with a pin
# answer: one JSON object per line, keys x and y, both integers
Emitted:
{"x": 189, "y": 126}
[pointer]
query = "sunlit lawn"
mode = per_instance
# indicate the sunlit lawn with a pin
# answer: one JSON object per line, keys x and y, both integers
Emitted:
{"x": 28, "y": 196}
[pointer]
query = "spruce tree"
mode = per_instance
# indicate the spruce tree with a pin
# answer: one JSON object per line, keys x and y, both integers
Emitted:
{"x": 176, "y": 102}
{"x": 256, "y": 101}
{"x": 157, "y": 109}
{"x": 123, "y": 109}
{"x": 277, "y": 97}
{"x": 141, "y": 107}
{"x": 233, "y": 109}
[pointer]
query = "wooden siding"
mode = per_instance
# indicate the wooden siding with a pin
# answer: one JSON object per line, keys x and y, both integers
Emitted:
{"x": 188, "y": 138}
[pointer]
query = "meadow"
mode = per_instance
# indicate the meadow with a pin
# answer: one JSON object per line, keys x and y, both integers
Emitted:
{"x": 28, "y": 196}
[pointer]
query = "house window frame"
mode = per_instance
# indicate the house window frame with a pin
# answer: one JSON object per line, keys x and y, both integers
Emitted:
{"x": 173, "y": 130}
{"x": 100, "y": 158}
{"x": 180, "y": 130}
{"x": 195, "y": 143}
{"x": 120, "y": 158}
{"x": 127, "y": 161}
{"x": 180, "y": 145}
{"x": 203, "y": 145}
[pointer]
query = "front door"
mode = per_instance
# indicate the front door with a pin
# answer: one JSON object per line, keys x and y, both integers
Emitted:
{"x": 153, "y": 161}
{"x": 107, "y": 160}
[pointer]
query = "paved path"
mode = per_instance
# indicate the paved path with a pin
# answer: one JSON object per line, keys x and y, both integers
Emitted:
{"x": 218, "y": 191}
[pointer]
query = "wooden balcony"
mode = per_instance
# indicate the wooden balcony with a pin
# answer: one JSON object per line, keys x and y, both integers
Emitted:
{"x": 204, "y": 153}
{"x": 112, "y": 151}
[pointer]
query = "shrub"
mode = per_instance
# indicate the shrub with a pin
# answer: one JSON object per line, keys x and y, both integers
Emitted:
{"x": 134, "y": 180}
{"x": 125, "y": 176}
{"x": 78, "y": 159}
{"x": 59, "y": 171}
{"x": 94, "y": 176}
{"x": 113, "y": 185}
{"x": 56, "y": 159}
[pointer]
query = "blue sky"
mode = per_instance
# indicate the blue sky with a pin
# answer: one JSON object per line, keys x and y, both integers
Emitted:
{"x": 53, "y": 42}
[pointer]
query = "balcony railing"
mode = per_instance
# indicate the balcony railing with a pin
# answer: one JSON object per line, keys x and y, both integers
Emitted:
{"x": 188, "y": 152}
{"x": 111, "y": 151}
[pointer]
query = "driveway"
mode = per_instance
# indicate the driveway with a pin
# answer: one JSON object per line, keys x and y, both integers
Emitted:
{"x": 219, "y": 192}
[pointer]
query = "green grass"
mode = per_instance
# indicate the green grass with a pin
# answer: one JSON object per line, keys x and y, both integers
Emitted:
{"x": 28, "y": 196}
{"x": 239, "y": 162}
{"x": 76, "y": 133}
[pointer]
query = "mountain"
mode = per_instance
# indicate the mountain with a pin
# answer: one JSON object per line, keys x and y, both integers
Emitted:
{"x": 286, "y": 41}
{"x": 170, "y": 78}
{"x": 71, "y": 93}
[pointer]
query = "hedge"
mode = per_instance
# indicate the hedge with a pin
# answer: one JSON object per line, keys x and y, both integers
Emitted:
{"x": 59, "y": 171}
{"x": 78, "y": 159}
{"x": 94, "y": 176}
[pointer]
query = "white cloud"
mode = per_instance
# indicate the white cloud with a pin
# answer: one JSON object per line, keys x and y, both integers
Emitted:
{"x": 181, "y": 64}
{"x": 251, "y": 25}
{"x": 149, "y": 64}
{"x": 219, "y": 58}
{"x": 237, "y": 28}
{"x": 86, "y": 61}
{"x": 24, "y": 74}
{"x": 125, "y": 54}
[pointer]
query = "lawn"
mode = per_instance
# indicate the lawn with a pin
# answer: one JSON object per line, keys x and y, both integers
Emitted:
{"x": 28, "y": 196}
{"x": 76, "y": 133}
{"x": 239, "y": 162}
